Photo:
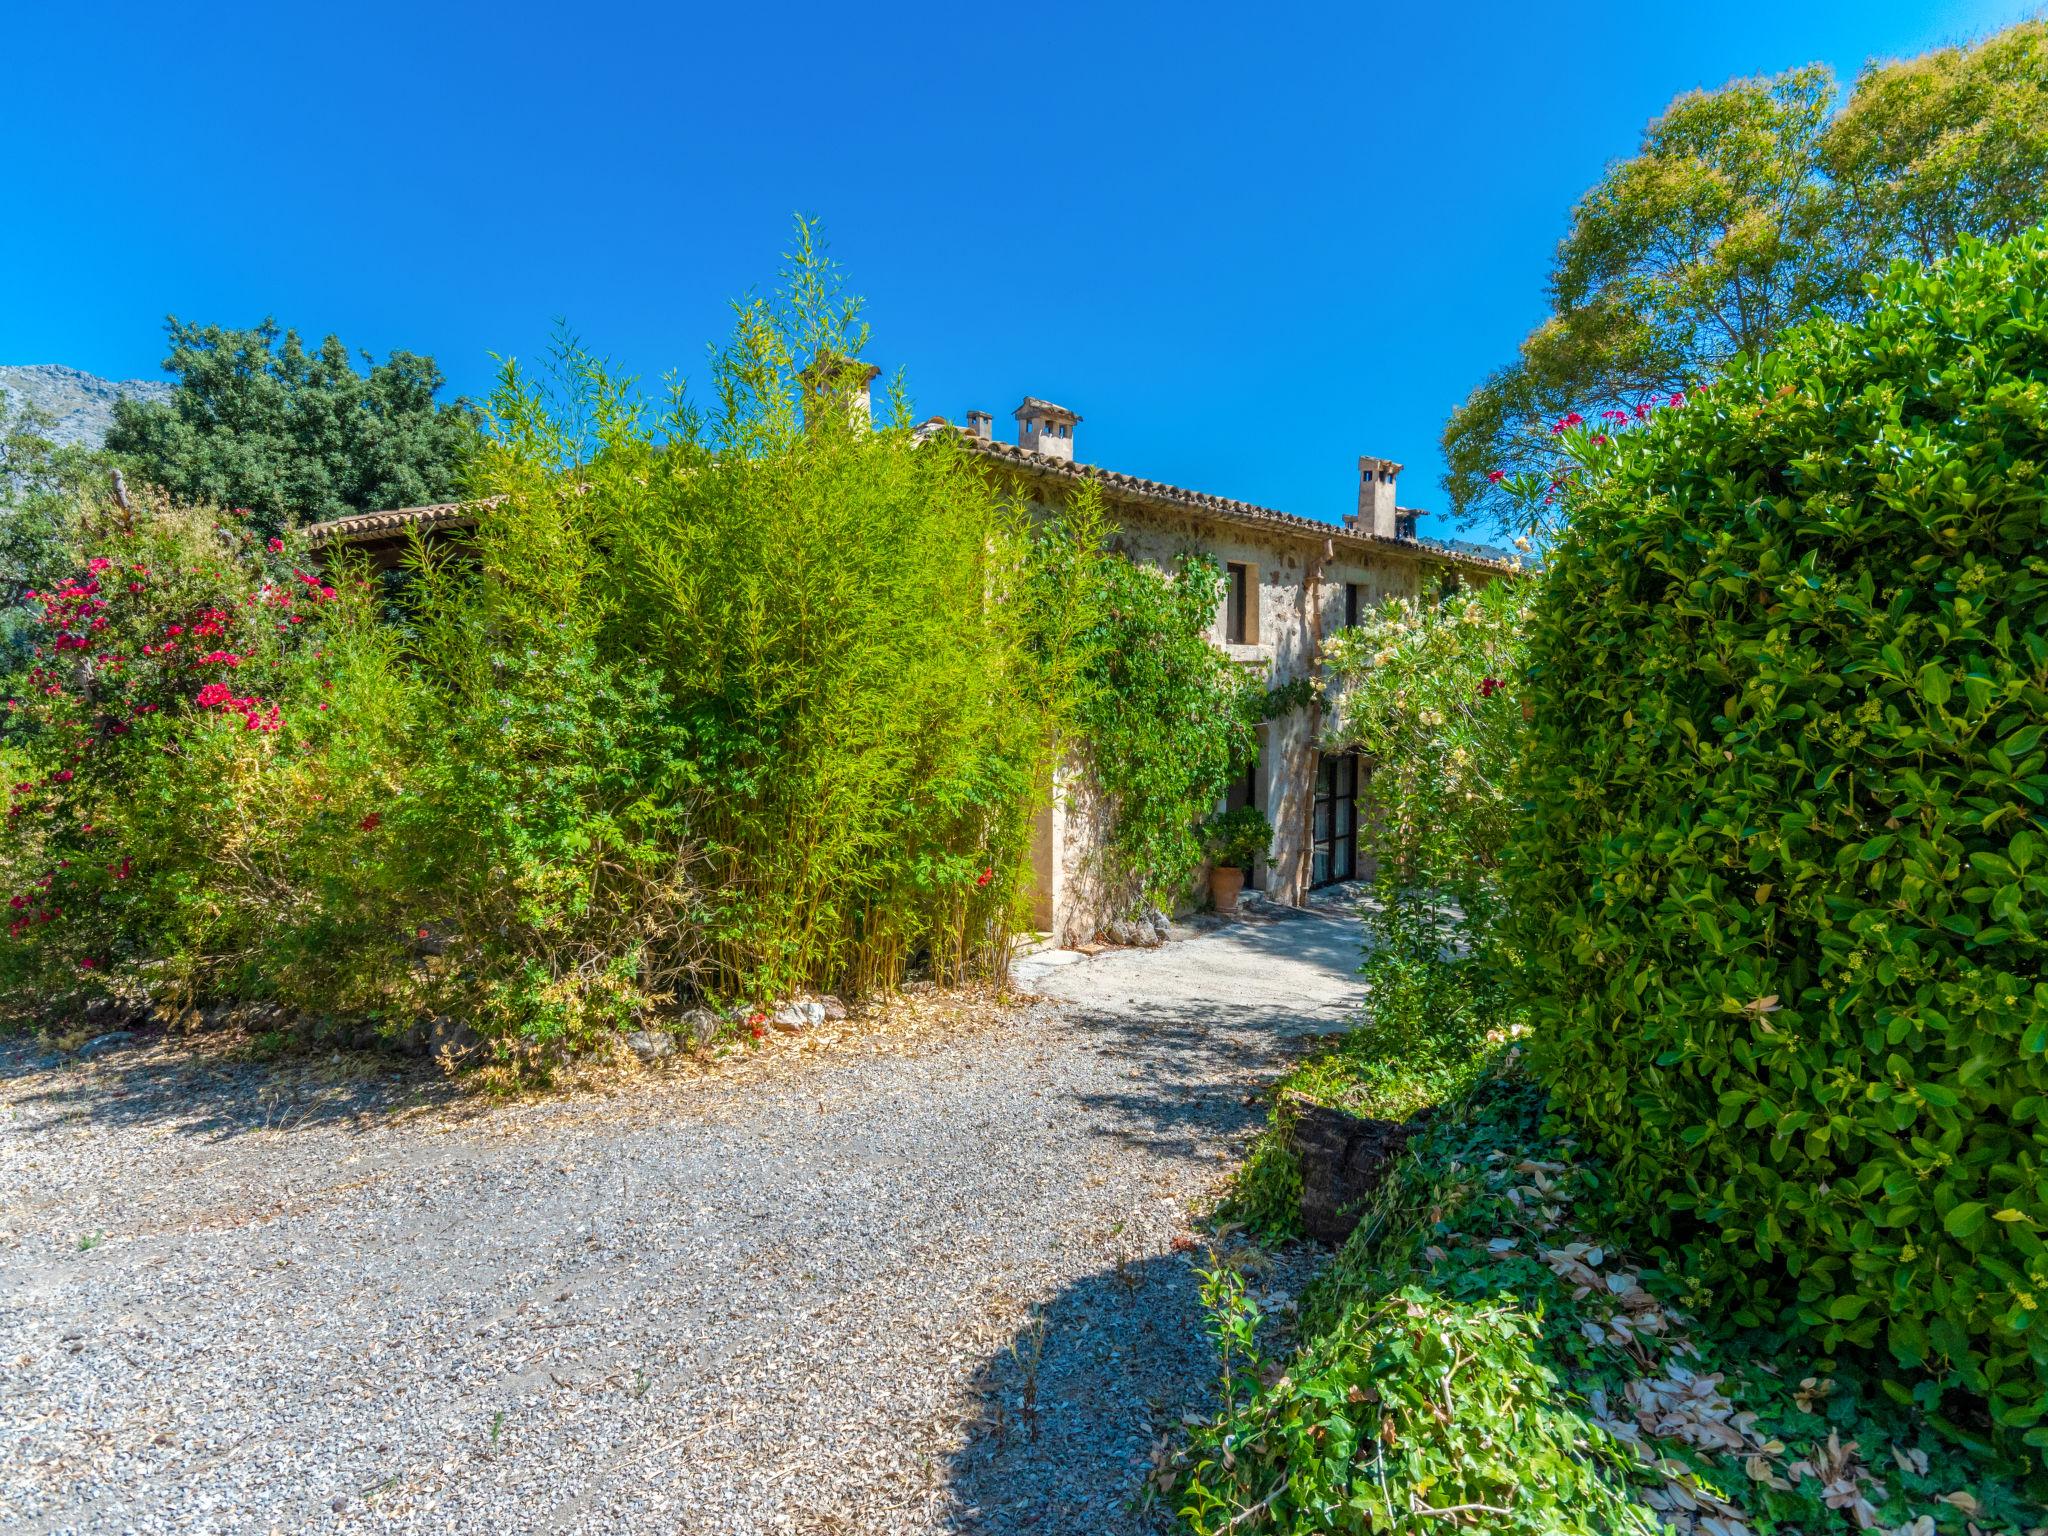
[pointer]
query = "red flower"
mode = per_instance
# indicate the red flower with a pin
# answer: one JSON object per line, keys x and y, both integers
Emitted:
{"x": 984, "y": 877}
{"x": 98, "y": 563}
{"x": 85, "y": 965}
{"x": 1489, "y": 686}
{"x": 1495, "y": 476}
{"x": 370, "y": 822}
{"x": 275, "y": 545}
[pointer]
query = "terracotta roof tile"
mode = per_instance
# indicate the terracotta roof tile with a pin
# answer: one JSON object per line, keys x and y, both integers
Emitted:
{"x": 374, "y": 527}
{"x": 369, "y": 527}
{"x": 1159, "y": 493}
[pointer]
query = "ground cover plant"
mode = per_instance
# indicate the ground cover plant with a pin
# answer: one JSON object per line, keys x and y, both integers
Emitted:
{"x": 1484, "y": 1354}
{"x": 1779, "y": 887}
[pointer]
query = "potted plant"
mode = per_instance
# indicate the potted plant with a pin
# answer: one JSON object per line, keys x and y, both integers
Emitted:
{"x": 1238, "y": 838}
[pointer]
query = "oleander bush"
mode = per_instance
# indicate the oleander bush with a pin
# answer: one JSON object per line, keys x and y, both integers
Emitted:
{"x": 1782, "y": 866}
{"x": 200, "y": 751}
{"x": 1423, "y": 690}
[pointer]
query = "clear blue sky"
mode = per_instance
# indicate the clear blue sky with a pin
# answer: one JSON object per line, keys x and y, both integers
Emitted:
{"x": 1247, "y": 244}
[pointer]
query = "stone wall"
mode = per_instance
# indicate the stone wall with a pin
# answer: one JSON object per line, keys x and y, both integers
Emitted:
{"x": 1300, "y": 601}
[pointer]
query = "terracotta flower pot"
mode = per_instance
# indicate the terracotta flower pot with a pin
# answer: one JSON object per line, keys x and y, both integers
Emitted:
{"x": 1225, "y": 884}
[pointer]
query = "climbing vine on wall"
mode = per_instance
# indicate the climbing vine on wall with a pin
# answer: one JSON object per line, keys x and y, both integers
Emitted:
{"x": 1168, "y": 720}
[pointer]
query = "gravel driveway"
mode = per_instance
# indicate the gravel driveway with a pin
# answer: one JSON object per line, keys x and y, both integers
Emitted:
{"x": 803, "y": 1293}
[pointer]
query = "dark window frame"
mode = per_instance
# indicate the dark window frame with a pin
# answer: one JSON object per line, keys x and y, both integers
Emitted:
{"x": 1237, "y": 603}
{"x": 1333, "y": 822}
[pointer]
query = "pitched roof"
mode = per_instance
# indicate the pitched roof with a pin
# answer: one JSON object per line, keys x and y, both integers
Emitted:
{"x": 1178, "y": 498}
{"x": 378, "y": 527}
{"x": 373, "y": 527}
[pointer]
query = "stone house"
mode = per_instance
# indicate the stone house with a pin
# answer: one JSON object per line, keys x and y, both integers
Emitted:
{"x": 1292, "y": 581}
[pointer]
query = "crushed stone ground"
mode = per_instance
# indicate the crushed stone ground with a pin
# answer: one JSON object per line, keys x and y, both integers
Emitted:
{"x": 922, "y": 1282}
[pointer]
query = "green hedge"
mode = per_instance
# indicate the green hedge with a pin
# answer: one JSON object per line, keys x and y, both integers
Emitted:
{"x": 1783, "y": 875}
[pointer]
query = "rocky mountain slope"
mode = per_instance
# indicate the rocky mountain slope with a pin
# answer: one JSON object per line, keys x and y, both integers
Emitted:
{"x": 81, "y": 404}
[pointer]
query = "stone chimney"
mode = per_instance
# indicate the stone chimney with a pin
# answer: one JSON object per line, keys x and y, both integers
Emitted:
{"x": 844, "y": 376}
{"x": 1376, "y": 513}
{"x": 1046, "y": 428}
{"x": 982, "y": 425}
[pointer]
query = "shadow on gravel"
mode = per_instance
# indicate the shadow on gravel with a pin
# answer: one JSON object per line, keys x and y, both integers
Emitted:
{"x": 1071, "y": 1413}
{"x": 1317, "y": 936}
{"x": 202, "y": 1091}
{"x": 1186, "y": 1070}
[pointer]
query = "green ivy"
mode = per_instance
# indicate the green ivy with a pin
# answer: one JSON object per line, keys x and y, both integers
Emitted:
{"x": 1168, "y": 720}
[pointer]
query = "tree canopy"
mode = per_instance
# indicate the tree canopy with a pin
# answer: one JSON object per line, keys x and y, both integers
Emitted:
{"x": 293, "y": 434}
{"x": 1746, "y": 209}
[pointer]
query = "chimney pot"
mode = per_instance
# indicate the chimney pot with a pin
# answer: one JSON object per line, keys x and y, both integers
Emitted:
{"x": 980, "y": 424}
{"x": 1043, "y": 427}
{"x": 1376, "y": 513}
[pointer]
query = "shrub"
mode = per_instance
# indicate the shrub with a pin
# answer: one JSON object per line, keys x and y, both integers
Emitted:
{"x": 1425, "y": 691}
{"x": 1782, "y": 861}
{"x": 710, "y": 706}
{"x": 749, "y": 700}
{"x": 1241, "y": 837}
{"x": 201, "y": 754}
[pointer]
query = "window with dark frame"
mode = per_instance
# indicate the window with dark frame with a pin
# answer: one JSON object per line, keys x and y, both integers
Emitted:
{"x": 1236, "y": 610}
{"x": 1333, "y": 852}
{"x": 1354, "y": 603}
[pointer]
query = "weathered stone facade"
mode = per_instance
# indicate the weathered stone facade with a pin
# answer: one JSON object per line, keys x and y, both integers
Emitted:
{"x": 1305, "y": 579}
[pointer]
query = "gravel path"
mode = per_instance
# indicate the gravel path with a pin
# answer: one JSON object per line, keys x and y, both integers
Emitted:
{"x": 799, "y": 1294}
